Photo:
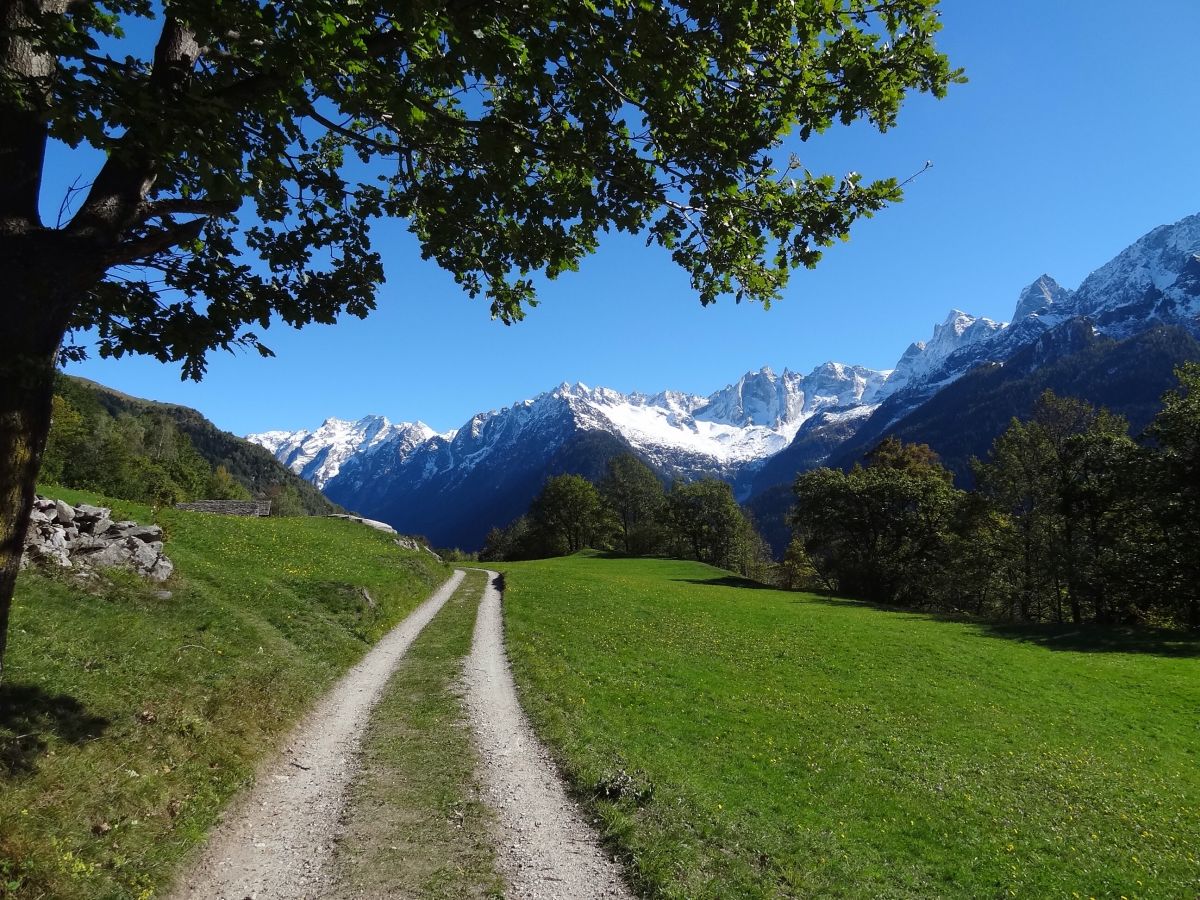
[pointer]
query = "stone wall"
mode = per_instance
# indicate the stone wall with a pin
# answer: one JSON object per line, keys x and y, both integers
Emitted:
{"x": 229, "y": 507}
{"x": 85, "y": 537}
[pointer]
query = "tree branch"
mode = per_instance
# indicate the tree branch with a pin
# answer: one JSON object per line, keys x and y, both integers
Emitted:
{"x": 187, "y": 207}
{"x": 158, "y": 241}
{"x": 115, "y": 201}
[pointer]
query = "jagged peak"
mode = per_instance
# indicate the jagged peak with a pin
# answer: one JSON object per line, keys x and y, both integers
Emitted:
{"x": 1043, "y": 293}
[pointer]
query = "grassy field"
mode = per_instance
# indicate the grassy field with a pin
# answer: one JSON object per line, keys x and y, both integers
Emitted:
{"x": 744, "y": 742}
{"x": 127, "y": 720}
{"x": 415, "y": 824}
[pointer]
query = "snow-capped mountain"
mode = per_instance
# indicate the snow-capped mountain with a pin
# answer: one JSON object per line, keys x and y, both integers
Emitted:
{"x": 683, "y": 433}
{"x": 318, "y": 455}
{"x": 783, "y": 403}
{"x": 1157, "y": 279}
{"x": 953, "y": 349}
{"x": 1154, "y": 281}
{"x": 413, "y": 478}
{"x": 755, "y": 432}
{"x": 1040, "y": 297}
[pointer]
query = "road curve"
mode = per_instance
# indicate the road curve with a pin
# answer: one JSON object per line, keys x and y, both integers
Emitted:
{"x": 274, "y": 843}
{"x": 547, "y": 850}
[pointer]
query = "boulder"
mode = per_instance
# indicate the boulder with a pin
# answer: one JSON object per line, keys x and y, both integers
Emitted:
{"x": 64, "y": 512}
{"x": 109, "y": 556}
{"x": 145, "y": 533}
{"x": 142, "y": 556}
{"x": 96, "y": 526}
{"x": 162, "y": 570}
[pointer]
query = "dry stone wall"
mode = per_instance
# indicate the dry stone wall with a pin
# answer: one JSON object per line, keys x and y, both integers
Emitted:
{"x": 86, "y": 538}
{"x": 229, "y": 507}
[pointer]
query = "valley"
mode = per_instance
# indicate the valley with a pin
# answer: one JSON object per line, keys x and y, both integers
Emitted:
{"x": 763, "y": 429}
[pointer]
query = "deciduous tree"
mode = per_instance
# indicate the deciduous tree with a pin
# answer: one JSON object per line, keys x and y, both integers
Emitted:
{"x": 636, "y": 497}
{"x": 248, "y": 146}
{"x": 569, "y": 510}
{"x": 880, "y": 531}
{"x": 1175, "y": 492}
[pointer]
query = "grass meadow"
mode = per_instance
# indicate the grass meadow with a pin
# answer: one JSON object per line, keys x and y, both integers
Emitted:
{"x": 127, "y": 721}
{"x": 736, "y": 741}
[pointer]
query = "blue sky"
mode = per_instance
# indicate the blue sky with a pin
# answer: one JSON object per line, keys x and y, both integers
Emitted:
{"x": 1078, "y": 132}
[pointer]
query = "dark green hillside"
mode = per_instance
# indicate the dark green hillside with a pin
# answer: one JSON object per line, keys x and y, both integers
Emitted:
{"x": 128, "y": 720}
{"x": 251, "y": 466}
{"x": 740, "y": 742}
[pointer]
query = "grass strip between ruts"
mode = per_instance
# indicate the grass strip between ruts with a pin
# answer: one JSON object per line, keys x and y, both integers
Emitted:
{"x": 415, "y": 824}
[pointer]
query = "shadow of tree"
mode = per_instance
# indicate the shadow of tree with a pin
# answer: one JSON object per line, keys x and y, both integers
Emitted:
{"x": 1098, "y": 638}
{"x": 1075, "y": 638}
{"x": 733, "y": 581}
{"x": 29, "y": 717}
{"x": 1165, "y": 642}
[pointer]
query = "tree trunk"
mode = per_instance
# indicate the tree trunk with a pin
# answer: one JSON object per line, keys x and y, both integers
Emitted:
{"x": 35, "y": 307}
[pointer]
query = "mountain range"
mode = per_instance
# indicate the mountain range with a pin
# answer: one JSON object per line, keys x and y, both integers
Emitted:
{"x": 955, "y": 391}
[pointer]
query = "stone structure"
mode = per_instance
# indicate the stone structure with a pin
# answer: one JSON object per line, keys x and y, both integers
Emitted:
{"x": 408, "y": 543}
{"x": 370, "y": 523}
{"x": 86, "y": 538}
{"x": 229, "y": 507}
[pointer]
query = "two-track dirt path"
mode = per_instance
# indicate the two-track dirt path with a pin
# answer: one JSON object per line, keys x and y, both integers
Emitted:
{"x": 547, "y": 851}
{"x": 274, "y": 842}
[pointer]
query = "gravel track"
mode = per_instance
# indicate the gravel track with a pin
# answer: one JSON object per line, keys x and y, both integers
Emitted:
{"x": 275, "y": 842}
{"x": 547, "y": 850}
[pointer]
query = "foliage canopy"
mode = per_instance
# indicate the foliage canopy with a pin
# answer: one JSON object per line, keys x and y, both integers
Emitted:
{"x": 248, "y": 153}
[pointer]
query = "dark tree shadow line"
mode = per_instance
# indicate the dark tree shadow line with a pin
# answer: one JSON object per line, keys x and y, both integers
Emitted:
{"x": 30, "y": 717}
{"x": 1164, "y": 642}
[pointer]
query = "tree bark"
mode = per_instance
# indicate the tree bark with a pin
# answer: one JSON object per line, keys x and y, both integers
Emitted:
{"x": 43, "y": 282}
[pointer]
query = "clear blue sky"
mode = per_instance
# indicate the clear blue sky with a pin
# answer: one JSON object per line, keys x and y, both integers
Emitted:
{"x": 1078, "y": 132}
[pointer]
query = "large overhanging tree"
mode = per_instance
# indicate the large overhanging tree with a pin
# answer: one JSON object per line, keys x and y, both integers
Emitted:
{"x": 247, "y": 147}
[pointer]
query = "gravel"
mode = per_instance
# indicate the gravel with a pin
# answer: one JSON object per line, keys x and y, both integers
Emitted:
{"x": 546, "y": 849}
{"x": 276, "y": 841}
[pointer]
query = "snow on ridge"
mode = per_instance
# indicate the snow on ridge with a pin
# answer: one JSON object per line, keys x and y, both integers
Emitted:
{"x": 319, "y": 454}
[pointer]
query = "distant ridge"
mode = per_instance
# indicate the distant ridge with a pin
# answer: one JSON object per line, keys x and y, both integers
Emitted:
{"x": 250, "y": 465}
{"x": 763, "y": 428}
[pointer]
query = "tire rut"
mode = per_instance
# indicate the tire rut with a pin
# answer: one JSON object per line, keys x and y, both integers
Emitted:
{"x": 275, "y": 842}
{"x": 547, "y": 850}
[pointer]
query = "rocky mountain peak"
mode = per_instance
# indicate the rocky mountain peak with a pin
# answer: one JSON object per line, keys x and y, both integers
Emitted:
{"x": 1041, "y": 295}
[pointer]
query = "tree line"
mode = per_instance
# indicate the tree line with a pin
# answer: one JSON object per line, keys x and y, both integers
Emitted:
{"x": 1071, "y": 519}
{"x": 630, "y": 511}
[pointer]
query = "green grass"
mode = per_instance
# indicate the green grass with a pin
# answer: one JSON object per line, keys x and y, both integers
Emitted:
{"x": 793, "y": 746}
{"x": 415, "y": 824}
{"x": 127, "y": 721}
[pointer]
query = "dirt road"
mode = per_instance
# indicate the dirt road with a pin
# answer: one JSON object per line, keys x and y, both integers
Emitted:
{"x": 273, "y": 844}
{"x": 546, "y": 849}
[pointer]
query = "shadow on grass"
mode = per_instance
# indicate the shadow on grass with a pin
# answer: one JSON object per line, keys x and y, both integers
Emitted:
{"x": 1075, "y": 638}
{"x": 29, "y": 717}
{"x": 732, "y": 581}
{"x": 1098, "y": 638}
